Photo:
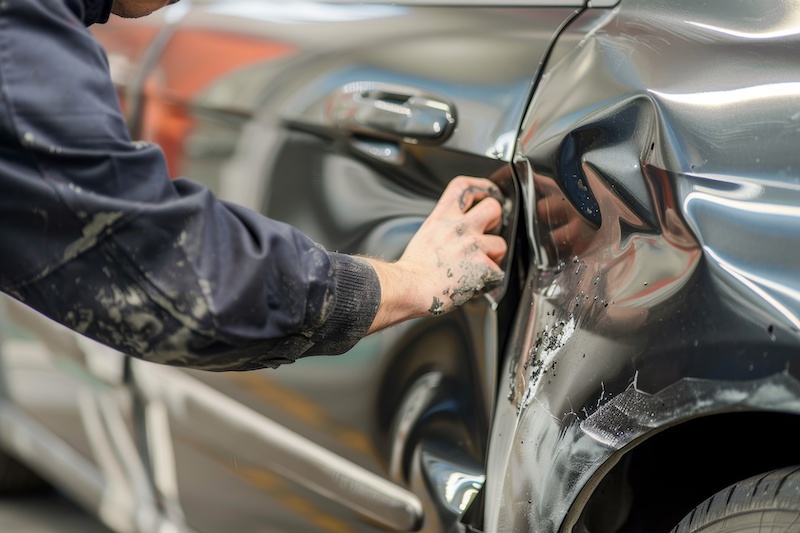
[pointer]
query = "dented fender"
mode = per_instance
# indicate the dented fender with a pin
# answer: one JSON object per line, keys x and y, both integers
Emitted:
{"x": 659, "y": 166}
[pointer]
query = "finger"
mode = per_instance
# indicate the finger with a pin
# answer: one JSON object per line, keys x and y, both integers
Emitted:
{"x": 554, "y": 212}
{"x": 494, "y": 246}
{"x": 486, "y": 215}
{"x": 493, "y": 279}
{"x": 562, "y": 237}
{"x": 574, "y": 233}
{"x": 463, "y": 192}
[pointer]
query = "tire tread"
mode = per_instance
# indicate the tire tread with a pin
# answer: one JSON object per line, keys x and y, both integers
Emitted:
{"x": 778, "y": 490}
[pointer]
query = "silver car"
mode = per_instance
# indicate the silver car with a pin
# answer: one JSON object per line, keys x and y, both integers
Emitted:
{"x": 637, "y": 372}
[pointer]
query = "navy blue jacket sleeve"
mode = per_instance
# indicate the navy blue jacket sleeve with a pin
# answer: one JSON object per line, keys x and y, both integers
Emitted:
{"x": 96, "y": 236}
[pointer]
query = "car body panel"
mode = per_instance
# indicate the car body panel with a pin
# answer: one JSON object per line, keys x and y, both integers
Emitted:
{"x": 662, "y": 191}
{"x": 651, "y": 213}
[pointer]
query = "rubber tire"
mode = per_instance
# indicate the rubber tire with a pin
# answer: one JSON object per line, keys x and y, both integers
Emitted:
{"x": 16, "y": 478}
{"x": 768, "y": 502}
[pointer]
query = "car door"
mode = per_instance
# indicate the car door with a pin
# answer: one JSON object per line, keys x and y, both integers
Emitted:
{"x": 345, "y": 120}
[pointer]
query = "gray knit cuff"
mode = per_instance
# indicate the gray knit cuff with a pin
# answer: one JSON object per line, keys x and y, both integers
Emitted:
{"x": 357, "y": 298}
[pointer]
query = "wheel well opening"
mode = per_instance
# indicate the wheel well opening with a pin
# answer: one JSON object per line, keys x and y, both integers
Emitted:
{"x": 662, "y": 479}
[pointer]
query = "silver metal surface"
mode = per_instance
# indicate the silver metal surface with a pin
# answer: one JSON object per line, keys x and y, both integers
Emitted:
{"x": 660, "y": 171}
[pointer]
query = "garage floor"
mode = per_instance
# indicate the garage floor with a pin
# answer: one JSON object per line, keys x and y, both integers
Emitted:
{"x": 45, "y": 513}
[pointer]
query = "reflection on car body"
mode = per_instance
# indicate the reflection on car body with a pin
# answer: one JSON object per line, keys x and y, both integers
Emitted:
{"x": 649, "y": 317}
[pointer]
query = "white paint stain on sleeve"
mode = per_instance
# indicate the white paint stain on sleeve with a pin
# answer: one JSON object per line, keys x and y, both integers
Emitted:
{"x": 91, "y": 233}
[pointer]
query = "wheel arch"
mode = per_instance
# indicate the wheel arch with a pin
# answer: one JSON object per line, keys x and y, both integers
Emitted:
{"x": 683, "y": 464}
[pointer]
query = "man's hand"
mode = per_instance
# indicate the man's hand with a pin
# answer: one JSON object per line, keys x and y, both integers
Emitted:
{"x": 452, "y": 257}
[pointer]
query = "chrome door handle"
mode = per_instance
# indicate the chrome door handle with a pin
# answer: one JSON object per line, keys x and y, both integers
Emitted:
{"x": 392, "y": 111}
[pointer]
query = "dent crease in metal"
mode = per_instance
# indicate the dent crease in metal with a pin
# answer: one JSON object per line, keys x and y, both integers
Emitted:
{"x": 661, "y": 190}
